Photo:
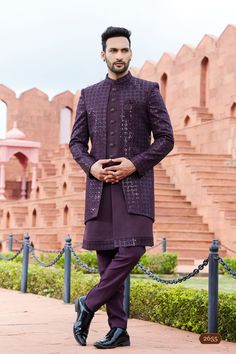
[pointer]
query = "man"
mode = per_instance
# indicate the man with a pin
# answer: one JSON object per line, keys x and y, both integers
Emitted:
{"x": 118, "y": 114}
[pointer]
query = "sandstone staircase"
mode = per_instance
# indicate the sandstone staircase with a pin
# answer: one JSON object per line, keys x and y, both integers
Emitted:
{"x": 58, "y": 203}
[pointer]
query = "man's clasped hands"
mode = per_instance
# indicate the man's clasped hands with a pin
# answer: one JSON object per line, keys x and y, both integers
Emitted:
{"x": 112, "y": 174}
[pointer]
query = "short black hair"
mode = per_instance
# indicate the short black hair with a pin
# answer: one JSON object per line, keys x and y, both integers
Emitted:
{"x": 115, "y": 32}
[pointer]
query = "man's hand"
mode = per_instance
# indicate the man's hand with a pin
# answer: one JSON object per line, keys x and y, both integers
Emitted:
{"x": 97, "y": 169}
{"x": 118, "y": 172}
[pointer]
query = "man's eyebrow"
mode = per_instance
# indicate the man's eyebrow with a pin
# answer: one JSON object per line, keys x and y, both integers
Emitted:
{"x": 118, "y": 48}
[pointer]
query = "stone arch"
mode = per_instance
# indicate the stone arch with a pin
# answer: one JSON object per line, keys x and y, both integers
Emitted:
{"x": 3, "y": 119}
{"x": 65, "y": 215}
{"x": 233, "y": 110}
{"x": 164, "y": 79}
{"x": 187, "y": 120}
{"x": 34, "y": 218}
{"x": 65, "y": 124}
{"x": 8, "y": 218}
{"x": 204, "y": 81}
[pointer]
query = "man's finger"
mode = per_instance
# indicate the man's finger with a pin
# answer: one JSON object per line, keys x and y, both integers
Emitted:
{"x": 118, "y": 159}
{"x": 104, "y": 160}
{"x": 112, "y": 168}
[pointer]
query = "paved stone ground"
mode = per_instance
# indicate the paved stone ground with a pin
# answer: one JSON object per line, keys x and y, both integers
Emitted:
{"x": 32, "y": 324}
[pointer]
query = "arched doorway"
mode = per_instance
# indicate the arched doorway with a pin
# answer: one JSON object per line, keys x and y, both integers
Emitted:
{"x": 164, "y": 79}
{"x": 3, "y": 119}
{"x": 65, "y": 125}
{"x": 204, "y": 82}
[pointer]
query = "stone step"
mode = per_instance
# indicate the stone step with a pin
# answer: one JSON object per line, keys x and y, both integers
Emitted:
{"x": 183, "y": 234}
{"x": 180, "y": 149}
{"x": 210, "y": 157}
{"x": 227, "y": 206}
{"x": 189, "y": 244}
{"x": 166, "y": 192}
{"x": 189, "y": 252}
{"x": 219, "y": 189}
{"x": 171, "y": 198}
{"x": 181, "y": 226}
{"x": 178, "y": 211}
{"x": 223, "y": 197}
{"x": 225, "y": 175}
{"x": 172, "y": 204}
{"x": 178, "y": 218}
{"x": 213, "y": 168}
{"x": 185, "y": 261}
{"x": 219, "y": 182}
{"x": 230, "y": 213}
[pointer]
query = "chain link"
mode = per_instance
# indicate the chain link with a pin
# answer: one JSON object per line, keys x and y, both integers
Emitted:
{"x": 54, "y": 261}
{"x": 14, "y": 256}
{"x": 81, "y": 263}
{"x": 226, "y": 267}
{"x": 173, "y": 281}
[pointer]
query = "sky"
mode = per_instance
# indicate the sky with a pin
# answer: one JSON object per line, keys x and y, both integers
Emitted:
{"x": 55, "y": 45}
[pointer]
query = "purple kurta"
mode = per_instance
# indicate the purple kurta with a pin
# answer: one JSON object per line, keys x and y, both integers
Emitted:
{"x": 114, "y": 226}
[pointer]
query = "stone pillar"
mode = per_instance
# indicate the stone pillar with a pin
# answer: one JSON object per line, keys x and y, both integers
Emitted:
{"x": 2, "y": 181}
{"x": 23, "y": 184}
{"x": 34, "y": 173}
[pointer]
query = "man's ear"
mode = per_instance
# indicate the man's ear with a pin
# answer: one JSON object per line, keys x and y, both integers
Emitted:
{"x": 103, "y": 55}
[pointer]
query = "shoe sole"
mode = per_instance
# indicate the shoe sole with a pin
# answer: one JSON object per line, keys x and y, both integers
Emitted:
{"x": 124, "y": 344}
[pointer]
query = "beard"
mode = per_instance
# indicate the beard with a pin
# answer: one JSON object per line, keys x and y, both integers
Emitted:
{"x": 117, "y": 70}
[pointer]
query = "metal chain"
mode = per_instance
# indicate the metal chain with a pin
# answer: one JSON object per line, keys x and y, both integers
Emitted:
{"x": 226, "y": 267}
{"x": 227, "y": 248}
{"x": 46, "y": 251}
{"x": 174, "y": 281}
{"x": 81, "y": 263}
{"x": 54, "y": 261}
{"x": 13, "y": 257}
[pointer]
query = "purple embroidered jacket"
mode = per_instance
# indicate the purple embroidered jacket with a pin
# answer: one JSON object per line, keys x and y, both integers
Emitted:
{"x": 142, "y": 112}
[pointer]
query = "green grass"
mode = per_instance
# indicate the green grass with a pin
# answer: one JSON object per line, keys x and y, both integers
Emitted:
{"x": 226, "y": 282}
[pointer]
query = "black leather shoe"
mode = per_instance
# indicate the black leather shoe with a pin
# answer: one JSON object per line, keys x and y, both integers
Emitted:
{"x": 116, "y": 337}
{"x": 82, "y": 323}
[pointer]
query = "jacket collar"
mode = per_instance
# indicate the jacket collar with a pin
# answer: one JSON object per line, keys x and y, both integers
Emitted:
{"x": 122, "y": 80}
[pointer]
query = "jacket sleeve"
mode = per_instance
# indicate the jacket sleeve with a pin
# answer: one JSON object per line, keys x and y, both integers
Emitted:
{"x": 162, "y": 133}
{"x": 79, "y": 138}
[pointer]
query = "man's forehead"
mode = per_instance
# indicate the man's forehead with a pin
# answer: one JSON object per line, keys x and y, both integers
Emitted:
{"x": 117, "y": 42}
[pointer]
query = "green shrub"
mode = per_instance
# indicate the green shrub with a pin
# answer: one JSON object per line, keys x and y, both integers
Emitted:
{"x": 174, "y": 306}
{"x": 158, "y": 263}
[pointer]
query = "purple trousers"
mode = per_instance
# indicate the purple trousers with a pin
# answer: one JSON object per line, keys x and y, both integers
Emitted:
{"x": 114, "y": 267}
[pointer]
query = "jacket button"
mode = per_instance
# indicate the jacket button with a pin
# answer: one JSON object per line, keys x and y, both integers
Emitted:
{"x": 112, "y": 109}
{"x": 112, "y": 144}
{"x": 112, "y": 121}
{"x": 112, "y": 133}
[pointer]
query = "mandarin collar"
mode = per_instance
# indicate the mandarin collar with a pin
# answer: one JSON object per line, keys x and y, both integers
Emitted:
{"x": 121, "y": 80}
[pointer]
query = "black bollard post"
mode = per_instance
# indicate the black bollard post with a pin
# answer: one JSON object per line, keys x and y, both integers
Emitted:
{"x": 163, "y": 245}
{"x": 10, "y": 242}
{"x": 127, "y": 295}
{"x": 213, "y": 288}
{"x": 67, "y": 270}
{"x": 25, "y": 265}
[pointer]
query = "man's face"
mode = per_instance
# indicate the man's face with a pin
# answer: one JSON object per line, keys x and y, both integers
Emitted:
{"x": 117, "y": 54}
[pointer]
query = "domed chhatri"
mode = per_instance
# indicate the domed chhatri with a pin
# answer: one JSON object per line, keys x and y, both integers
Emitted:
{"x": 15, "y": 133}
